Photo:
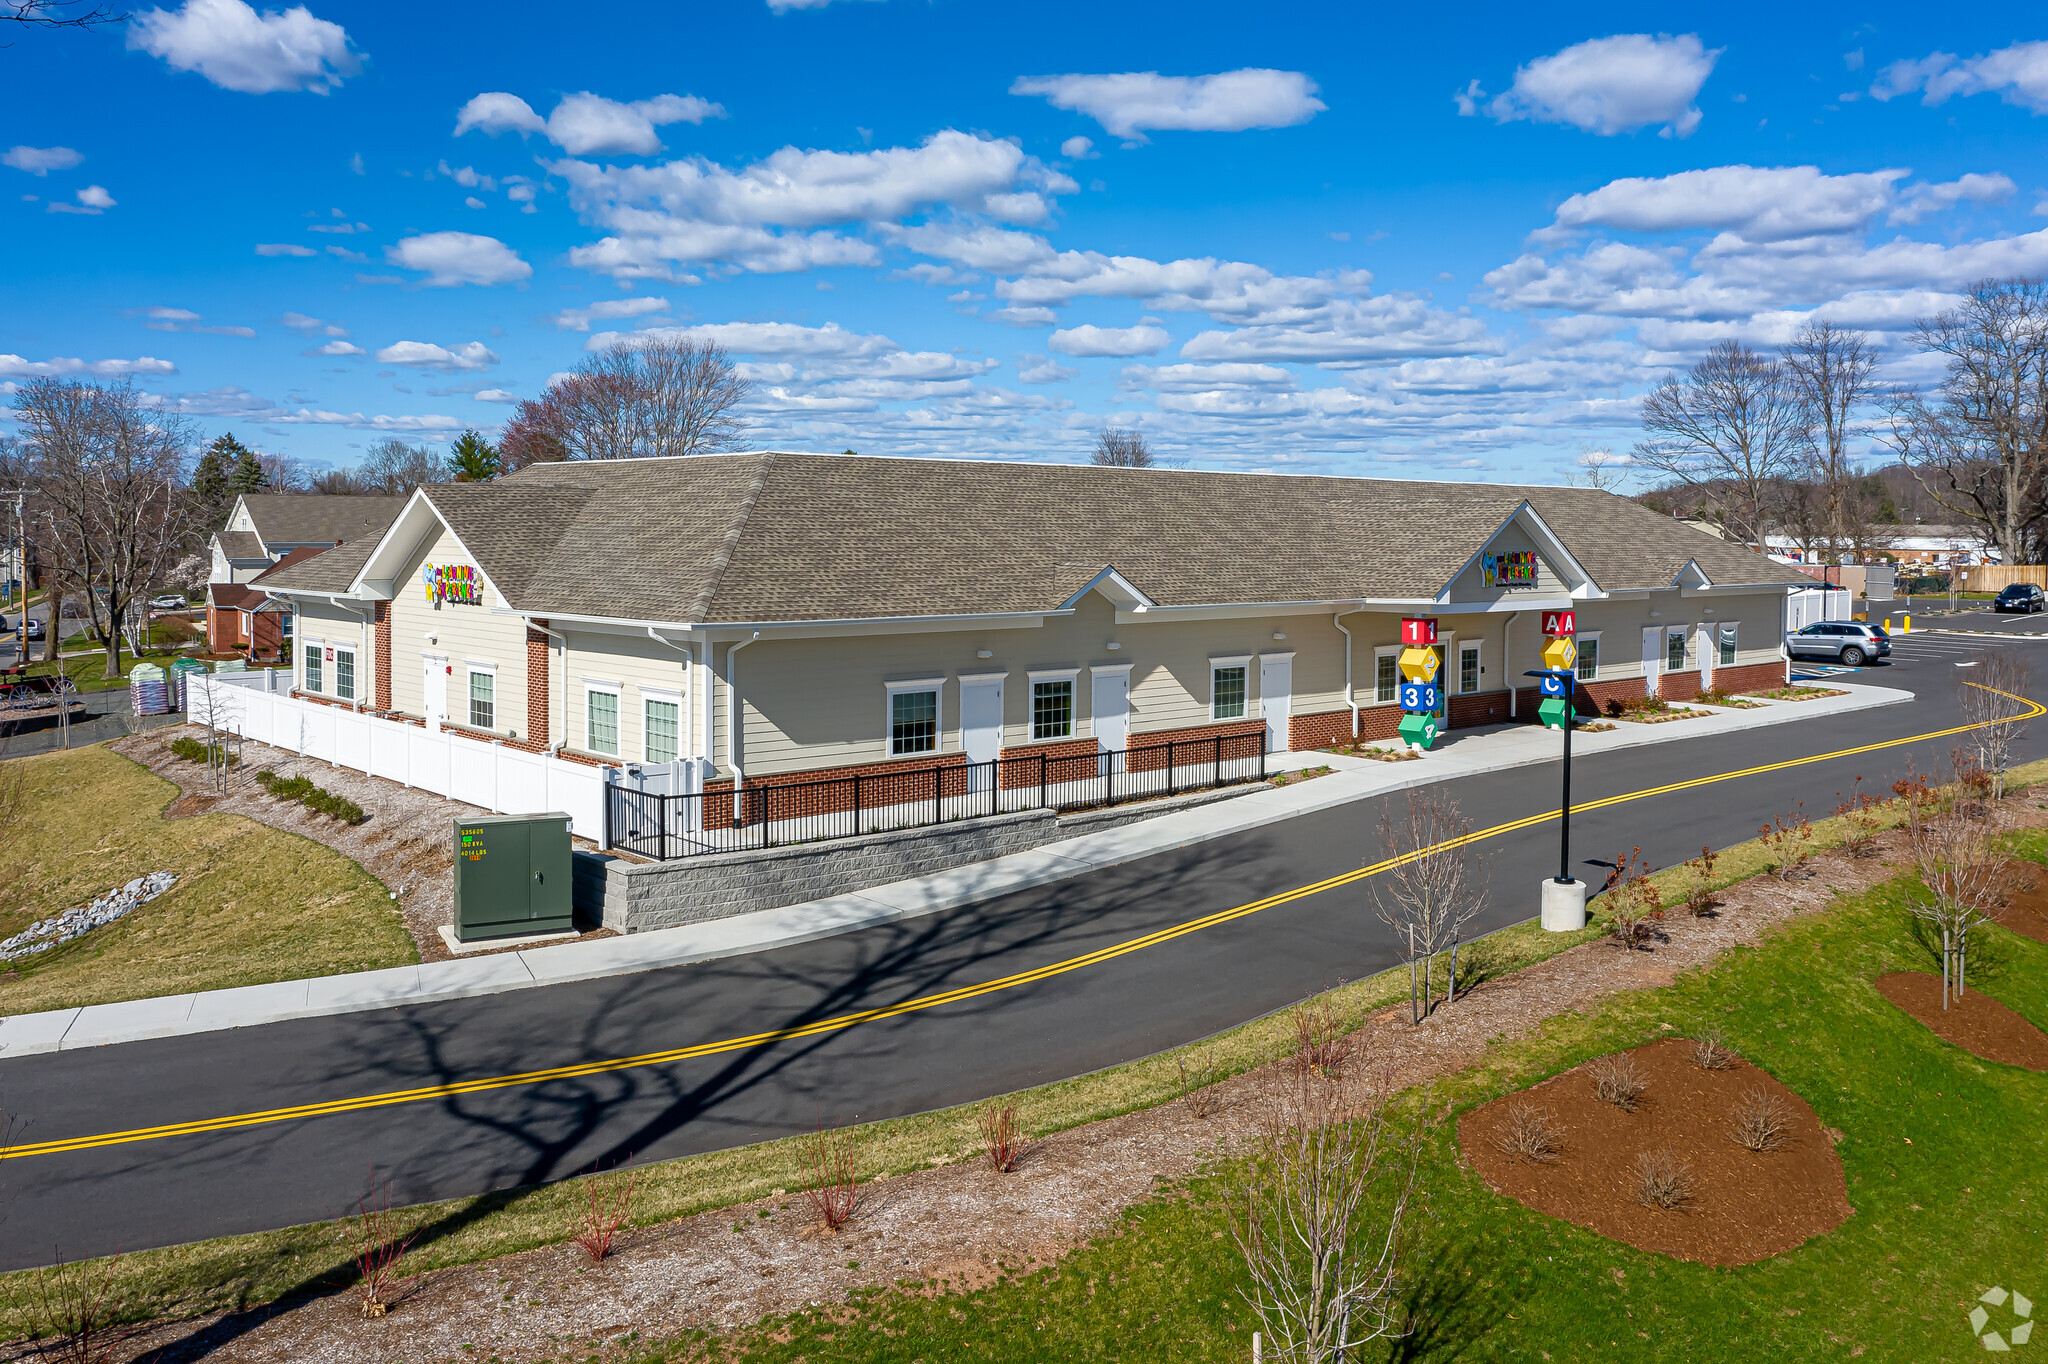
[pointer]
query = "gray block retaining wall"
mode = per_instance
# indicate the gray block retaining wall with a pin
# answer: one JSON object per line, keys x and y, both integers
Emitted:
{"x": 632, "y": 897}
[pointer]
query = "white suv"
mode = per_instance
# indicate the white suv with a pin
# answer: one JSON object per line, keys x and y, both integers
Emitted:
{"x": 1852, "y": 642}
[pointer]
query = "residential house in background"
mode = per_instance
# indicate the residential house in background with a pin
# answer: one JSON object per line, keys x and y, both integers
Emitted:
{"x": 262, "y": 531}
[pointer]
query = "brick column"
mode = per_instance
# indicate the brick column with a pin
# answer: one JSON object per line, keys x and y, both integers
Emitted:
{"x": 537, "y": 690}
{"x": 380, "y": 693}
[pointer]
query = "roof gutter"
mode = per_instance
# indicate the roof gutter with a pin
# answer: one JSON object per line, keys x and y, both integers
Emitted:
{"x": 1350, "y": 696}
{"x": 732, "y": 733}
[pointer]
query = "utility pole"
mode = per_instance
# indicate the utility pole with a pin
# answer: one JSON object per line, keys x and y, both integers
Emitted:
{"x": 21, "y": 573}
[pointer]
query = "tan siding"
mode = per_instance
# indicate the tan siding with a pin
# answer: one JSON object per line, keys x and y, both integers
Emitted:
{"x": 1470, "y": 585}
{"x": 330, "y": 625}
{"x": 462, "y": 633}
{"x": 637, "y": 665}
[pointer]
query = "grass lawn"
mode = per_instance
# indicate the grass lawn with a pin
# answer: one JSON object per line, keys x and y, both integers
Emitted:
{"x": 1944, "y": 1159}
{"x": 252, "y": 903}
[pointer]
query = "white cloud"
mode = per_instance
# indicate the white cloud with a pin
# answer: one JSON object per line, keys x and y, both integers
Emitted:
{"x": 585, "y": 124}
{"x": 785, "y": 6}
{"x": 1040, "y": 369}
{"x": 473, "y": 202}
{"x": 1207, "y": 378}
{"x": 300, "y": 322}
{"x": 1090, "y": 340}
{"x": 41, "y": 160}
{"x": 452, "y": 258}
{"x": 696, "y": 211}
{"x": 336, "y": 348}
{"x": 494, "y": 395}
{"x": 2017, "y": 74}
{"x": 284, "y": 249}
{"x": 93, "y": 200}
{"x": 1025, "y": 317}
{"x": 1127, "y": 104}
{"x": 183, "y": 320}
{"x": 1608, "y": 86}
{"x": 14, "y": 367}
{"x": 579, "y": 319}
{"x": 1757, "y": 203}
{"x": 1922, "y": 200}
{"x": 1350, "y": 331}
{"x": 1229, "y": 291}
{"x": 462, "y": 359}
{"x": 1077, "y": 148}
{"x": 236, "y": 48}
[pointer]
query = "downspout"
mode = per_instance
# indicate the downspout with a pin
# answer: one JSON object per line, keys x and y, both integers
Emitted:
{"x": 1350, "y": 696}
{"x": 732, "y": 733}
{"x": 689, "y": 653}
{"x": 1506, "y": 665}
{"x": 562, "y": 640}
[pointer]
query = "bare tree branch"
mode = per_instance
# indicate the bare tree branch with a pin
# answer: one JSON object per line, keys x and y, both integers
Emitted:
{"x": 1120, "y": 449}
{"x": 1730, "y": 430}
{"x": 1830, "y": 371}
{"x": 1433, "y": 888}
{"x": 58, "y": 14}
{"x": 660, "y": 397}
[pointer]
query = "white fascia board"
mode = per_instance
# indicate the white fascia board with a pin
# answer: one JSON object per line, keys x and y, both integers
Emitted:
{"x": 1693, "y": 570}
{"x": 1540, "y": 531}
{"x": 413, "y": 527}
{"x": 293, "y": 593}
{"x": 1238, "y": 610}
{"x": 1113, "y": 585}
{"x": 1490, "y": 608}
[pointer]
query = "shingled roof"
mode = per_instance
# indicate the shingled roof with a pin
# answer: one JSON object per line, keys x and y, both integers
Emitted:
{"x": 318, "y": 518}
{"x": 784, "y": 537}
{"x": 321, "y": 570}
{"x": 243, "y": 545}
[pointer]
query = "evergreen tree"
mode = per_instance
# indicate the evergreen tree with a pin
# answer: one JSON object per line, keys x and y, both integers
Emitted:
{"x": 472, "y": 459}
{"x": 213, "y": 481}
{"x": 248, "y": 476}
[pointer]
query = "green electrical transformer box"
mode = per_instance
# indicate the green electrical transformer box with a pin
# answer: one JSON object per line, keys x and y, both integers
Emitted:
{"x": 512, "y": 876}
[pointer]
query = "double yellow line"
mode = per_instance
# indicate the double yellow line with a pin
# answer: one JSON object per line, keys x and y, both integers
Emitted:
{"x": 426, "y": 1093}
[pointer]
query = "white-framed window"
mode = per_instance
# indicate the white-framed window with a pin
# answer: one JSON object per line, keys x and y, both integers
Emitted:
{"x": 344, "y": 674}
{"x": 661, "y": 733}
{"x": 913, "y": 716}
{"x": 1469, "y": 669}
{"x": 483, "y": 696}
{"x": 1229, "y": 687}
{"x": 1052, "y": 704}
{"x": 1724, "y": 636}
{"x": 1674, "y": 649}
{"x": 1386, "y": 674}
{"x": 314, "y": 668}
{"x": 600, "y": 716}
{"x": 1589, "y": 657}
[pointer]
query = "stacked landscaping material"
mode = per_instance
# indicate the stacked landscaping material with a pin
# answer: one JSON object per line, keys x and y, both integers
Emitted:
{"x": 76, "y": 923}
{"x": 181, "y": 670}
{"x": 148, "y": 691}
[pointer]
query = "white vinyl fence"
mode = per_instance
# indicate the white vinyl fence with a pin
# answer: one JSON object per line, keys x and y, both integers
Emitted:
{"x": 476, "y": 772}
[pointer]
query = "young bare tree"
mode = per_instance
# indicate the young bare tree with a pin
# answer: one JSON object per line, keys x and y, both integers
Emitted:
{"x": 1978, "y": 444}
{"x": 1730, "y": 430}
{"x": 108, "y": 468}
{"x": 1599, "y": 468}
{"x": 395, "y": 468}
{"x": 1830, "y": 371}
{"x": 215, "y": 706}
{"x": 1118, "y": 448}
{"x": 1326, "y": 1200}
{"x": 1430, "y": 889}
{"x": 1960, "y": 860}
{"x": 1990, "y": 693}
{"x": 632, "y": 400}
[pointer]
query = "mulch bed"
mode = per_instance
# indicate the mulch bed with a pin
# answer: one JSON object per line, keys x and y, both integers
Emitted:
{"x": 1977, "y": 1023}
{"x": 2026, "y": 900}
{"x": 1745, "y": 1206}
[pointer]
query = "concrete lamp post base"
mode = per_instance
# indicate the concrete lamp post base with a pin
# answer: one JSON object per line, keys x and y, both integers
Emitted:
{"x": 1564, "y": 905}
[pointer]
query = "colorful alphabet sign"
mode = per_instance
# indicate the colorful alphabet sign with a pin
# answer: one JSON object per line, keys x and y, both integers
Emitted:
{"x": 1418, "y": 631}
{"x": 1561, "y": 654}
{"x": 1509, "y": 568}
{"x": 1555, "y": 684}
{"x": 455, "y": 583}
{"x": 1420, "y": 696}
{"x": 1419, "y": 665}
{"x": 1560, "y": 623}
{"x": 1418, "y": 730}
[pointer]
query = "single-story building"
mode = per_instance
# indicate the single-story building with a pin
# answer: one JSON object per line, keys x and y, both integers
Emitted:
{"x": 264, "y": 530}
{"x": 777, "y": 615}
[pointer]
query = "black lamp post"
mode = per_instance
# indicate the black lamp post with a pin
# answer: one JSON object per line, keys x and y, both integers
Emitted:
{"x": 1559, "y": 685}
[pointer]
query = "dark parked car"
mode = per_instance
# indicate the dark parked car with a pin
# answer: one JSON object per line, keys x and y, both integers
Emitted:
{"x": 2019, "y": 597}
{"x": 1850, "y": 641}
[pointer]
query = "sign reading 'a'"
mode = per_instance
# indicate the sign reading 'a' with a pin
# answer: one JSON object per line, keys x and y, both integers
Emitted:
{"x": 1560, "y": 622}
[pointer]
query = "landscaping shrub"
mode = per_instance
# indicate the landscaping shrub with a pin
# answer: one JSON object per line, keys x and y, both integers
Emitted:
{"x": 1708, "y": 1053}
{"x": 1197, "y": 1086}
{"x": 1699, "y": 885}
{"x": 1858, "y": 813}
{"x": 379, "y": 1249}
{"x": 1002, "y": 1137}
{"x": 1789, "y": 841}
{"x": 1321, "y": 1045}
{"x": 78, "y": 1310}
{"x": 1762, "y": 1121}
{"x": 192, "y": 750}
{"x": 1531, "y": 1134}
{"x": 829, "y": 1183}
{"x": 1619, "y": 1081}
{"x": 1662, "y": 1180}
{"x": 607, "y": 1205}
{"x": 315, "y": 798}
{"x": 1632, "y": 904}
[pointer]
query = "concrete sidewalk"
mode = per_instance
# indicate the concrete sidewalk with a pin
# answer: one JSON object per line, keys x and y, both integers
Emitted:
{"x": 1462, "y": 754}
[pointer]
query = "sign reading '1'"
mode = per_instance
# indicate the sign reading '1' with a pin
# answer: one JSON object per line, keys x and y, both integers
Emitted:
{"x": 1420, "y": 697}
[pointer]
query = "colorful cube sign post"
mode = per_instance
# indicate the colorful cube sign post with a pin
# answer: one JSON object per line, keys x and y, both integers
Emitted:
{"x": 1555, "y": 707}
{"x": 1560, "y": 658}
{"x": 1420, "y": 697}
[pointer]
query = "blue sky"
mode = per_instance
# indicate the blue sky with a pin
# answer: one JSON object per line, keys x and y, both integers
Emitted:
{"x": 1453, "y": 243}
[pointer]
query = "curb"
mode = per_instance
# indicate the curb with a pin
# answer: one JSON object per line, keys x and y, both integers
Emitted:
{"x": 1490, "y": 749}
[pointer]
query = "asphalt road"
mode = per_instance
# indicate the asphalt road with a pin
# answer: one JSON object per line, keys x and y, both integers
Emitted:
{"x": 1117, "y": 1008}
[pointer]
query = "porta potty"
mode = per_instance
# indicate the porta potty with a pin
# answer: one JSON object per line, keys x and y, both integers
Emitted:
{"x": 512, "y": 876}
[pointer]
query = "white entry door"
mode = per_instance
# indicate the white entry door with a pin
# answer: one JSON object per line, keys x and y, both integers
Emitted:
{"x": 1653, "y": 657}
{"x": 1110, "y": 705}
{"x": 1705, "y": 641}
{"x": 1276, "y": 699}
{"x": 434, "y": 688}
{"x": 981, "y": 724}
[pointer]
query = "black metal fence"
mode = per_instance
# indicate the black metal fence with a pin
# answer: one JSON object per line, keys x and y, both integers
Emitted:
{"x": 773, "y": 814}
